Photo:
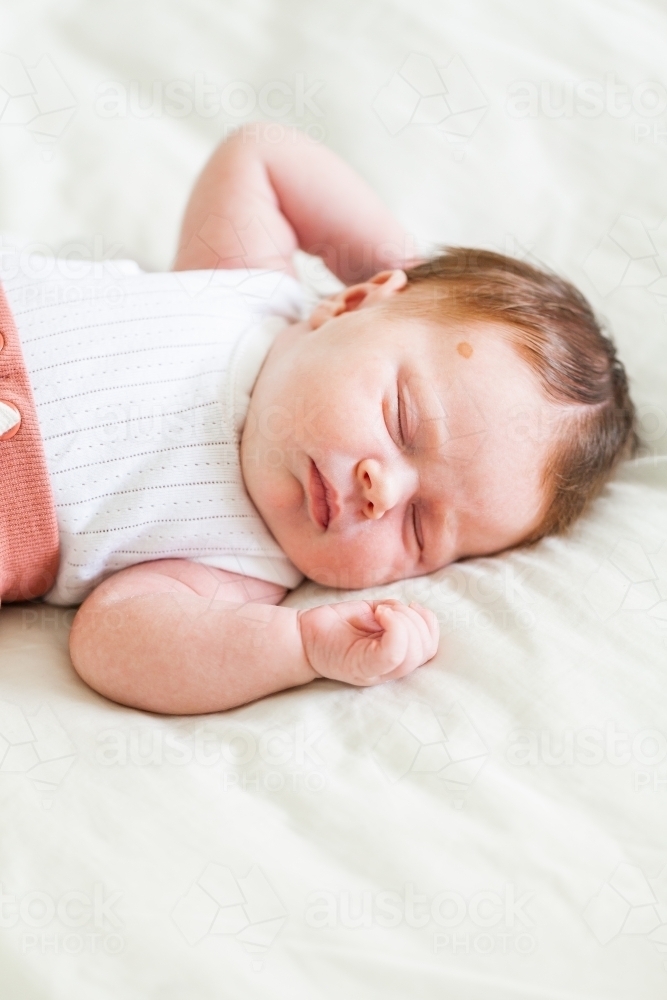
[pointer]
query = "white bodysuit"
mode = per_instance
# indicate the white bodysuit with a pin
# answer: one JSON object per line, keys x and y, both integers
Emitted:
{"x": 142, "y": 382}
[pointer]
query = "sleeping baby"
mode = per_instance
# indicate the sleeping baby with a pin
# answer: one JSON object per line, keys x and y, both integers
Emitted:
{"x": 180, "y": 449}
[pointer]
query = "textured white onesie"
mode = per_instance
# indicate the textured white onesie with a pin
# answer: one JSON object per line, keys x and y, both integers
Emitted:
{"x": 142, "y": 383}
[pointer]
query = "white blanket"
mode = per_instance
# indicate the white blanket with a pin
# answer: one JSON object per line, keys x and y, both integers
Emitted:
{"x": 494, "y": 826}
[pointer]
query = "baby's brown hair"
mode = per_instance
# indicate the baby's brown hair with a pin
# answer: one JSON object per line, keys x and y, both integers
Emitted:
{"x": 554, "y": 329}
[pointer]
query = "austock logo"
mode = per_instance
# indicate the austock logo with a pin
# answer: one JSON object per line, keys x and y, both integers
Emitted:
{"x": 36, "y": 746}
{"x": 631, "y": 580}
{"x": 422, "y": 743}
{"x": 36, "y": 98}
{"x": 629, "y": 903}
{"x": 447, "y": 98}
{"x": 630, "y": 255}
{"x": 245, "y": 908}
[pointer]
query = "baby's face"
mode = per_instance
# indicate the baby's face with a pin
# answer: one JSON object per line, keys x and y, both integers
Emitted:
{"x": 379, "y": 445}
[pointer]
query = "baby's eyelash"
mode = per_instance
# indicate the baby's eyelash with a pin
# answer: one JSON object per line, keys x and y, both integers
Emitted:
{"x": 400, "y": 422}
{"x": 420, "y": 541}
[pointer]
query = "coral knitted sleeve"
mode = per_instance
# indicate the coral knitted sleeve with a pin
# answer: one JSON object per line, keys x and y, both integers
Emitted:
{"x": 29, "y": 548}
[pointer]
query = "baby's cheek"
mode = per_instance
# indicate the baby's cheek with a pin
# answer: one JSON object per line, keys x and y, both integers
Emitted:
{"x": 354, "y": 565}
{"x": 324, "y": 428}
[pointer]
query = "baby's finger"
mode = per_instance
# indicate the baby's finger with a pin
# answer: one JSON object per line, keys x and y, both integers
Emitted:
{"x": 386, "y": 600}
{"x": 423, "y": 634}
{"x": 425, "y": 614}
{"x": 389, "y": 650}
{"x": 407, "y": 667}
{"x": 433, "y": 628}
{"x": 421, "y": 645}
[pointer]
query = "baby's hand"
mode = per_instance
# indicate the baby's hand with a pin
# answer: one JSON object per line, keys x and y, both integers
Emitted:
{"x": 368, "y": 642}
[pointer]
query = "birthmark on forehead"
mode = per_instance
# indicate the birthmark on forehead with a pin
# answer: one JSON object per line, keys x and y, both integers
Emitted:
{"x": 464, "y": 349}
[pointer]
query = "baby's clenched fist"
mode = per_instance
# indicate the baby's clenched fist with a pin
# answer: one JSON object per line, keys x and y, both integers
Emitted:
{"x": 368, "y": 642}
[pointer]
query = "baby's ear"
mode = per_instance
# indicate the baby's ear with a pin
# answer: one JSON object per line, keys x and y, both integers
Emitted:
{"x": 385, "y": 283}
{"x": 382, "y": 285}
{"x": 325, "y": 310}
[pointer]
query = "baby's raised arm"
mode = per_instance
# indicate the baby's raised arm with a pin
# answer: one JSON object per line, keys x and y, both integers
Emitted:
{"x": 176, "y": 637}
{"x": 269, "y": 190}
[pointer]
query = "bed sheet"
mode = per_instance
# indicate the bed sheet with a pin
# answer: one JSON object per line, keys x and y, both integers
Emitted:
{"x": 493, "y": 826}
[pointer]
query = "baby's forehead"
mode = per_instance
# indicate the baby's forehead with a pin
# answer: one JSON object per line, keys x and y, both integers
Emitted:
{"x": 420, "y": 323}
{"x": 471, "y": 363}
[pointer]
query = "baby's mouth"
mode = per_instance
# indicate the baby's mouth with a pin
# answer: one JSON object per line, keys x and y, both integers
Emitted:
{"x": 320, "y": 511}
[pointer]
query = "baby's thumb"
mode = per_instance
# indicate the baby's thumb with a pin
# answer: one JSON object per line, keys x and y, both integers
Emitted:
{"x": 387, "y": 651}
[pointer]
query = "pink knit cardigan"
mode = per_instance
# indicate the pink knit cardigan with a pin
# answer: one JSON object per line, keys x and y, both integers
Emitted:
{"x": 29, "y": 551}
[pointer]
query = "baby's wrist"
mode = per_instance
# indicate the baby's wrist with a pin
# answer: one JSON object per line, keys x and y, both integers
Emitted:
{"x": 302, "y": 617}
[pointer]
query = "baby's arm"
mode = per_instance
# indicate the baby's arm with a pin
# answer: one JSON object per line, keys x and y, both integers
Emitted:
{"x": 258, "y": 200}
{"x": 170, "y": 636}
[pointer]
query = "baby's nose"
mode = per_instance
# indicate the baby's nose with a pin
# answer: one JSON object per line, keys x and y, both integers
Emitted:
{"x": 380, "y": 488}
